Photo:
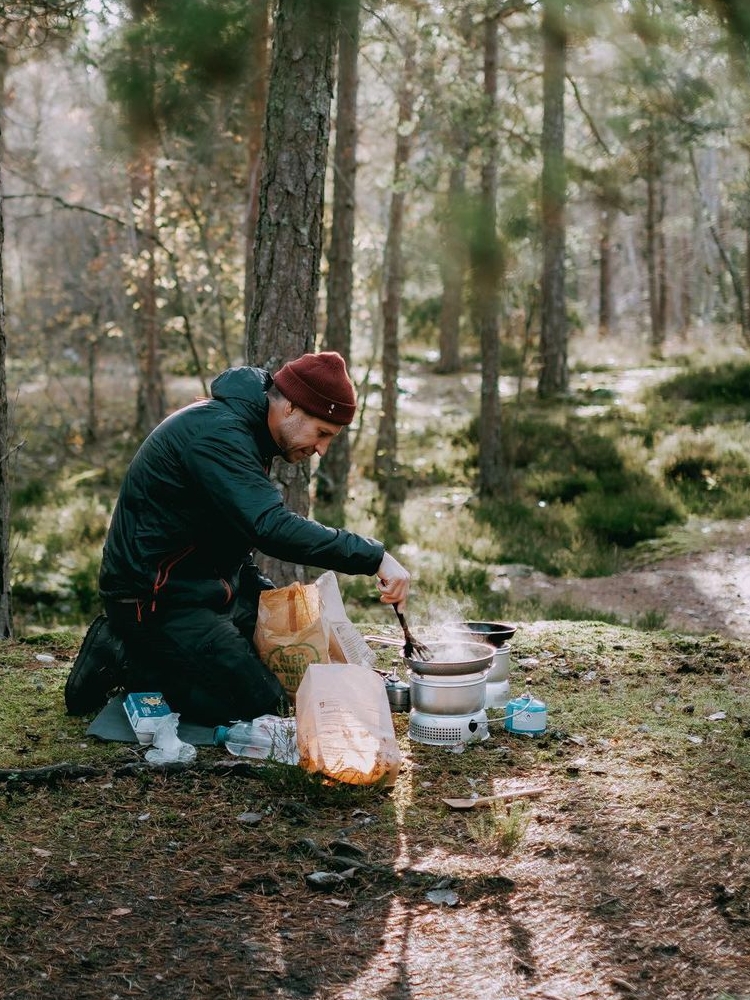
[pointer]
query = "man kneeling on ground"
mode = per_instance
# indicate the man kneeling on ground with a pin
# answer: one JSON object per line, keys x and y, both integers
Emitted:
{"x": 178, "y": 580}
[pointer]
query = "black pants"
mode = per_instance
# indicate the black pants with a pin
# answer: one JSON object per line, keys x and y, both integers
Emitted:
{"x": 203, "y": 661}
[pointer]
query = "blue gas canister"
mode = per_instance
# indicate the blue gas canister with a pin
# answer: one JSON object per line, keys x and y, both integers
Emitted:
{"x": 526, "y": 715}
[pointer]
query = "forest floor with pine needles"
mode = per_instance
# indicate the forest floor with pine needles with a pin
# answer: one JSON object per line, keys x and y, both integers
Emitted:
{"x": 625, "y": 874}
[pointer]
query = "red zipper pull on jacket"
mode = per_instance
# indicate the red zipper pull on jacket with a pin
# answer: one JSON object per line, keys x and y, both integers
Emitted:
{"x": 163, "y": 571}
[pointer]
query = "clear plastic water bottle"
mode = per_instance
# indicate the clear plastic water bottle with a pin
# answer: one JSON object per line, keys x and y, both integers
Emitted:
{"x": 237, "y": 738}
{"x": 266, "y": 736}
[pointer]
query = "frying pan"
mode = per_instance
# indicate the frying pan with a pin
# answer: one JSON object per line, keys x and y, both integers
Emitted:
{"x": 449, "y": 658}
{"x": 496, "y": 633}
{"x": 453, "y": 658}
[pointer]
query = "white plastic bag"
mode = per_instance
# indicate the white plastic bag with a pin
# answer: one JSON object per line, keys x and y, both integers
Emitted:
{"x": 345, "y": 644}
{"x": 344, "y": 725}
{"x": 167, "y": 746}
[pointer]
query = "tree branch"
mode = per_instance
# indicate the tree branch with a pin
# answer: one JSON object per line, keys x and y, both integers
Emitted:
{"x": 587, "y": 116}
{"x": 17, "y": 447}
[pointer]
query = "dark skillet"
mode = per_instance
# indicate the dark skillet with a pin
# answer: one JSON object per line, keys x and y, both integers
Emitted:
{"x": 496, "y": 633}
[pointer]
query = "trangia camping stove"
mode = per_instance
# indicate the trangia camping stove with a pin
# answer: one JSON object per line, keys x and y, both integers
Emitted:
{"x": 448, "y": 709}
{"x": 449, "y": 700}
{"x": 498, "y": 678}
{"x": 498, "y": 635}
{"x": 447, "y": 695}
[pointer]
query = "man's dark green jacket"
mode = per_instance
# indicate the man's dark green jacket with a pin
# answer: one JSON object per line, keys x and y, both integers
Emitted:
{"x": 197, "y": 500}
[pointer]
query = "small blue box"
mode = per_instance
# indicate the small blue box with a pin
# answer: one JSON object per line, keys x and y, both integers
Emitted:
{"x": 144, "y": 709}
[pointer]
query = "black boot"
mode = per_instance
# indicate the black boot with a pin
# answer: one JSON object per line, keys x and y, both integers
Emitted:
{"x": 98, "y": 669}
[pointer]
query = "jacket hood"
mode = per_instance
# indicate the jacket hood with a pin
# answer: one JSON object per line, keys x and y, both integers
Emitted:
{"x": 243, "y": 389}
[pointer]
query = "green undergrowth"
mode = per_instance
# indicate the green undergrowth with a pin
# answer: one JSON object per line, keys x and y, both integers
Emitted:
{"x": 589, "y": 484}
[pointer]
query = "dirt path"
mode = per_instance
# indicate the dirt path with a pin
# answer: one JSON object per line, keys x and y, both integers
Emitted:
{"x": 699, "y": 592}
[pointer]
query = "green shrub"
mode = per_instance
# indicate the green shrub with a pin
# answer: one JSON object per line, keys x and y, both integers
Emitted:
{"x": 563, "y": 611}
{"x": 549, "y": 485}
{"x": 638, "y": 513}
{"x": 710, "y": 395}
{"x": 472, "y": 583}
{"x": 709, "y": 471}
{"x": 548, "y": 537}
{"x": 726, "y": 384}
{"x": 34, "y": 493}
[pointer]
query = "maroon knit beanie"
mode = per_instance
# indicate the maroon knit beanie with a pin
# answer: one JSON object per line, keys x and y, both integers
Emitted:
{"x": 320, "y": 385}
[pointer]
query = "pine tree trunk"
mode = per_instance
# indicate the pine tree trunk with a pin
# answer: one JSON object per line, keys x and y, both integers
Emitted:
{"x": 290, "y": 224}
{"x": 333, "y": 471}
{"x": 6, "y": 614}
{"x": 487, "y": 270}
{"x": 653, "y": 245}
{"x": 605, "y": 274}
{"x": 386, "y": 447}
{"x": 151, "y": 402}
{"x": 553, "y": 375}
{"x": 452, "y": 270}
{"x": 255, "y": 114}
{"x": 662, "y": 266}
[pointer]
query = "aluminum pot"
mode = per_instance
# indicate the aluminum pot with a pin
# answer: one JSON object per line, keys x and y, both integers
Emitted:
{"x": 496, "y": 633}
{"x": 454, "y": 658}
{"x": 500, "y": 669}
{"x": 460, "y": 694}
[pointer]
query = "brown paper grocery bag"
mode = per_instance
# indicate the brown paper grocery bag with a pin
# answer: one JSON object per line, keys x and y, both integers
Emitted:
{"x": 291, "y": 633}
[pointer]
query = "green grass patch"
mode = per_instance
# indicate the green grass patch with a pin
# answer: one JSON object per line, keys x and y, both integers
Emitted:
{"x": 708, "y": 470}
{"x": 725, "y": 384}
{"x": 702, "y": 397}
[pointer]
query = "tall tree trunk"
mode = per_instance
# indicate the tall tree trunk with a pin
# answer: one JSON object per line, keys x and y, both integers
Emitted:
{"x": 487, "y": 270}
{"x": 255, "y": 115}
{"x": 92, "y": 356}
{"x": 6, "y": 614}
{"x": 290, "y": 223}
{"x": 662, "y": 272}
{"x": 386, "y": 446}
{"x": 333, "y": 471}
{"x": 151, "y": 402}
{"x": 653, "y": 244}
{"x": 553, "y": 375}
{"x": 452, "y": 268}
{"x": 605, "y": 273}
{"x": 151, "y": 398}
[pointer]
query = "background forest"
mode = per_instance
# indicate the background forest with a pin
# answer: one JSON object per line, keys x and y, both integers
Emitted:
{"x": 527, "y": 224}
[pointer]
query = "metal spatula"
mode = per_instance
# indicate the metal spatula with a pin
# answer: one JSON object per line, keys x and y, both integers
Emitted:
{"x": 412, "y": 647}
